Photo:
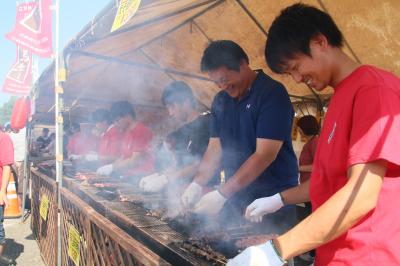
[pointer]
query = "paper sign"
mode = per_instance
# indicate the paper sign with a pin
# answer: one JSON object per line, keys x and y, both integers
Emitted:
{"x": 74, "y": 244}
{"x": 126, "y": 10}
{"x": 44, "y": 207}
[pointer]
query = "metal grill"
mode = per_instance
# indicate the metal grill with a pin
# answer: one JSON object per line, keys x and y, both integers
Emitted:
{"x": 131, "y": 217}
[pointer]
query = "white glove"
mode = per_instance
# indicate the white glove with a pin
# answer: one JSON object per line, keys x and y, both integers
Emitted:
{"x": 260, "y": 255}
{"x": 105, "y": 170}
{"x": 75, "y": 157}
{"x": 91, "y": 157}
{"x": 191, "y": 194}
{"x": 210, "y": 204}
{"x": 258, "y": 208}
{"x": 153, "y": 183}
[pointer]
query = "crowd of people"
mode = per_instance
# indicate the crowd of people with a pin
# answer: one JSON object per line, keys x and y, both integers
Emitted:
{"x": 347, "y": 174}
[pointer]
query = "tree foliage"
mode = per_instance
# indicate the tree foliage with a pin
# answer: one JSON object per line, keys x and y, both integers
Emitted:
{"x": 6, "y": 109}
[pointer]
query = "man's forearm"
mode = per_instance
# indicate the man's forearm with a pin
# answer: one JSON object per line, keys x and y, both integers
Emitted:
{"x": 5, "y": 178}
{"x": 107, "y": 159}
{"x": 298, "y": 194}
{"x": 187, "y": 171}
{"x": 305, "y": 168}
{"x": 343, "y": 210}
{"x": 206, "y": 170}
{"x": 210, "y": 162}
{"x": 247, "y": 173}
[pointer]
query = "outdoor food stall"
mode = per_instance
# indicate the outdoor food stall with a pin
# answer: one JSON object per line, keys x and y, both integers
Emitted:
{"x": 108, "y": 220}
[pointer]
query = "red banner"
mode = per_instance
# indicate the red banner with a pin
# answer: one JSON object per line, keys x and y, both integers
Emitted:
{"x": 33, "y": 27}
{"x": 19, "y": 78}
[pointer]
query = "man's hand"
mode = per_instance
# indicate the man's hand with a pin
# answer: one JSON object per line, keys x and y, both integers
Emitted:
{"x": 3, "y": 199}
{"x": 153, "y": 183}
{"x": 210, "y": 204}
{"x": 263, "y": 254}
{"x": 105, "y": 170}
{"x": 191, "y": 194}
{"x": 262, "y": 206}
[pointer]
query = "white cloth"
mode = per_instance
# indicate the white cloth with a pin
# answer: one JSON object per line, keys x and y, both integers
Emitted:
{"x": 91, "y": 157}
{"x": 262, "y": 206}
{"x": 191, "y": 194}
{"x": 210, "y": 204}
{"x": 105, "y": 170}
{"x": 75, "y": 157}
{"x": 19, "y": 140}
{"x": 260, "y": 255}
{"x": 153, "y": 183}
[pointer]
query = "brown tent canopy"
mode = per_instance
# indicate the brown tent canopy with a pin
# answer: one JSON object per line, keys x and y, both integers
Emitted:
{"x": 165, "y": 39}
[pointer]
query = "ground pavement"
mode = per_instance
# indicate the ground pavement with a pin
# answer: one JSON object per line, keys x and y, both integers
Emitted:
{"x": 20, "y": 243}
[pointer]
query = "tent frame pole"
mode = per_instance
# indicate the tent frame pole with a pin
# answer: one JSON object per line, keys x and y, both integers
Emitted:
{"x": 138, "y": 64}
{"x": 59, "y": 129}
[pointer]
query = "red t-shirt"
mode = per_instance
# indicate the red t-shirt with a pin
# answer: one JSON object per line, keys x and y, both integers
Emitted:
{"x": 6, "y": 152}
{"x": 138, "y": 140}
{"x": 81, "y": 144}
{"x": 362, "y": 125}
{"x": 110, "y": 142}
{"x": 307, "y": 157}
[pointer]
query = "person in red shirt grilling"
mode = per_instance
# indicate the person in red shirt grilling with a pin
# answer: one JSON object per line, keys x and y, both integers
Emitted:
{"x": 136, "y": 158}
{"x": 109, "y": 148}
{"x": 82, "y": 142}
{"x": 355, "y": 181}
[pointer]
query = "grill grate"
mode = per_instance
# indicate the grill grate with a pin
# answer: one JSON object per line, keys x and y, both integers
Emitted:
{"x": 133, "y": 217}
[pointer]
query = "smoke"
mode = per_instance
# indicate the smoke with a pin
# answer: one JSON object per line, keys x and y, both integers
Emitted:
{"x": 164, "y": 156}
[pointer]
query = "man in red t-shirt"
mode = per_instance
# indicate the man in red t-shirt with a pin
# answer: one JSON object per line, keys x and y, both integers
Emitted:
{"x": 355, "y": 181}
{"x": 82, "y": 142}
{"x": 109, "y": 148}
{"x": 136, "y": 157}
{"x": 6, "y": 160}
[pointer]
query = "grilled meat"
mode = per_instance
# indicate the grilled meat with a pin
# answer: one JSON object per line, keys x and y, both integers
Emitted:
{"x": 85, "y": 176}
{"x": 205, "y": 251}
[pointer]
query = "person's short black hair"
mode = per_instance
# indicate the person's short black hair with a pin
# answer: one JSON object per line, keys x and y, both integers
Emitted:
{"x": 223, "y": 53}
{"x": 8, "y": 128}
{"x": 45, "y": 130}
{"x": 290, "y": 34}
{"x": 177, "y": 92}
{"x": 309, "y": 125}
{"x": 122, "y": 108}
{"x": 101, "y": 115}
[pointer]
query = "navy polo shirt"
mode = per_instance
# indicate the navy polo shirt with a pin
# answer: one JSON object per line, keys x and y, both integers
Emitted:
{"x": 264, "y": 112}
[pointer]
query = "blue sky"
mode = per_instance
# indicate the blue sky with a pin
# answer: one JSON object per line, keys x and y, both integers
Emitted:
{"x": 74, "y": 15}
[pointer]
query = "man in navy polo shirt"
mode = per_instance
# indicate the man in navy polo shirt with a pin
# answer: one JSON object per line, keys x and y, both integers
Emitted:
{"x": 250, "y": 134}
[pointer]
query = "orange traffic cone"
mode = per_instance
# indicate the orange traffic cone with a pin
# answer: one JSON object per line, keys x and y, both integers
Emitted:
{"x": 13, "y": 210}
